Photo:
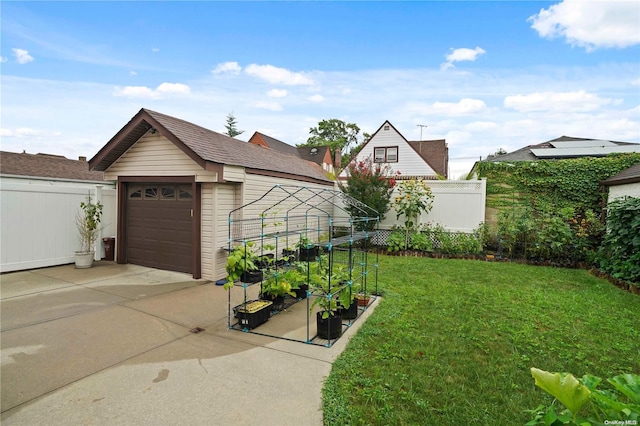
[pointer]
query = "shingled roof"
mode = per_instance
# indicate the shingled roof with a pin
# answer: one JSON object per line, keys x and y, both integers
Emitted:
{"x": 304, "y": 152}
{"x": 204, "y": 146}
{"x": 435, "y": 153}
{"x": 630, "y": 175}
{"x": 46, "y": 166}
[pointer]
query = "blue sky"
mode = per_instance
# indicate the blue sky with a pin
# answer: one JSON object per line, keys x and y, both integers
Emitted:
{"x": 482, "y": 75}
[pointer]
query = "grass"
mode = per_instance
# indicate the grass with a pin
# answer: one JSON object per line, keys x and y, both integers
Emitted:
{"x": 453, "y": 341}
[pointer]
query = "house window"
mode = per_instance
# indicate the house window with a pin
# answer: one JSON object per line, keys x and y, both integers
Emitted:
{"x": 168, "y": 193}
{"x": 151, "y": 193}
{"x": 386, "y": 154}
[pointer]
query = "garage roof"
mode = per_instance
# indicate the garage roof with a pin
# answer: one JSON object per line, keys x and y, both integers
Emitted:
{"x": 204, "y": 146}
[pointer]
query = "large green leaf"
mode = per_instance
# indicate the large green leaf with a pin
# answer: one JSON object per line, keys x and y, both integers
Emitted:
{"x": 628, "y": 384}
{"x": 564, "y": 386}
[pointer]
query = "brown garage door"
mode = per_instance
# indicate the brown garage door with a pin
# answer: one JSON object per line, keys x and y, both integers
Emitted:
{"x": 159, "y": 226}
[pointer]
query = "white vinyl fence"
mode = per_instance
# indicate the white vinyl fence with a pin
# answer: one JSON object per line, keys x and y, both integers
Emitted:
{"x": 37, "y": 220}
{"x": 458, "y": 205}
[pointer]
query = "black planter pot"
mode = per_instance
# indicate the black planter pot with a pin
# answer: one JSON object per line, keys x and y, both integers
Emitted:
{"x": 329, "y": 328}
{"x": 289, "y": 256}
{"x": 265, "y": 261}
{"x": 301, "y": 293}
{"x": 351, "y": 312}
{"x": 278, "y": 301}
{"x": 309, "y": 254}
{"x": 251, "y": 277}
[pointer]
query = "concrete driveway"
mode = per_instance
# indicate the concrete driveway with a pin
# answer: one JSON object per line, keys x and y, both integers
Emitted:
{"x": 115, "y": 344}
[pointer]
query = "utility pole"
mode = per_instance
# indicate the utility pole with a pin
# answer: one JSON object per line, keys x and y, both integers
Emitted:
{"x": 422, "y": 126}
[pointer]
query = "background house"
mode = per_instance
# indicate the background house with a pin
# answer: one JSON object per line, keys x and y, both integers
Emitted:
{"x": 177, "y": 183}
{"x": 320, "y": 155}
{"x": 566, "y": 147}
{"x": 40, "y": 195}
{"x": 624, "y": 184}
{"x": 413, "y": 159}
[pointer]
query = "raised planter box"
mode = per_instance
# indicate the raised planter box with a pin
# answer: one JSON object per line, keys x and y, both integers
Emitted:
{"x": 253, "y": 313}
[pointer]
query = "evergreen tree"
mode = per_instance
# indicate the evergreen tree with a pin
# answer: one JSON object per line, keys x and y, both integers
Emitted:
{"x": 231, "y": 126}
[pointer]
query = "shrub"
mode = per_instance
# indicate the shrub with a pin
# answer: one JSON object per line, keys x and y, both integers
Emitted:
{"x": 619, "y": 254}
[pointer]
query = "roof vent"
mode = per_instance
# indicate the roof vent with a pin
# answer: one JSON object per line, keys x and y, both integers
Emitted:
{"x": 313, "y": 151}
{"x": 386, "y": 127}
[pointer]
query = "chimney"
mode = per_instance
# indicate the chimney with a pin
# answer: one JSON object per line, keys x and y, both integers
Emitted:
{"x": 337, "y": 162}
{"x": 82, "y": 158}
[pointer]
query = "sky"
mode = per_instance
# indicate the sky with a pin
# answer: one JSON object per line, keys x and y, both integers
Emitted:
{"x": 482, "y": 75}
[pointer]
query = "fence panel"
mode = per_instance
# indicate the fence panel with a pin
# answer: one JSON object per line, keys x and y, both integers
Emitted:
{"x": 37, "y": 221}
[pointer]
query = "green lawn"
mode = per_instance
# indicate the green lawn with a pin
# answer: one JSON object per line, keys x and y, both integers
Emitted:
{"x": 453, "y": 341}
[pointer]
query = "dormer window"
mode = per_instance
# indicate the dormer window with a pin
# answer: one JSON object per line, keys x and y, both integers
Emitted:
{"x": 387, "y": 154}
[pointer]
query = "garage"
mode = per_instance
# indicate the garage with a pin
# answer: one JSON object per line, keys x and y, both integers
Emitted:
{"x": 159, "y": 226}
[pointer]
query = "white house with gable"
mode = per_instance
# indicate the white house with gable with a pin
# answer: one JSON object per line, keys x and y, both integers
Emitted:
{"x": 419, "y": 159}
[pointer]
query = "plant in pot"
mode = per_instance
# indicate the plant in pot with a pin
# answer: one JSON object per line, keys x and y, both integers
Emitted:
{"x": 275, "y": 288}
{"x": 88, "y": 223}
{"x": 308, "y": 251}
{"x": 327, "y": 289}
{"x": 241, "y": 265}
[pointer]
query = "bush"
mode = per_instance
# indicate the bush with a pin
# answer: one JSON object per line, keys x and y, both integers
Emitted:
{"x": 619, "y": 254}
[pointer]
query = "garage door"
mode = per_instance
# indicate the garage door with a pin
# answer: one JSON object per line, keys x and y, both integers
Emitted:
{"x": 158, "y": 229}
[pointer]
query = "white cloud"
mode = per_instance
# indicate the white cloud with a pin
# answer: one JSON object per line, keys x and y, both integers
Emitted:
{"x": 133, "y": 73}
{"x": 175, "y": 88}
{"x": 144, "y": 92}
{"x": 590, "y": 24}
{"x": 227, "y": 68}
{"x": 462, "y": 54}
{"x": 481, "y": 126}
{"x": 636, "y": 82}
{"x": 463, "y": 107}
{"x": 277, "y": 93}
{"x": 3, "y": 59}
{"x": 579, "y": 101}
{"x": 277, "y": 75}
{"x": 155, "y": 49}
{"x": 22, "y": 56}
{"x": 271, "y": 106}
{"x": 316, "y": 98}
{"x": 26, "y": 132}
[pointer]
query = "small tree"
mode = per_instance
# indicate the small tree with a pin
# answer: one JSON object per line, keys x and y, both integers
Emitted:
{"x": 371, "y": 184}
{"x": 88, "y": 221}
{"x": 231, "y": 126}
{"x": 414, "y": 198}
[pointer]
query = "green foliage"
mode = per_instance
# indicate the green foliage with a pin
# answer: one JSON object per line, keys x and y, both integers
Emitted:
{"x": 619, "y": 254}
{"x": 336, "y": 134}
{"x": 558, "y": 235}
{"x": 369, "y": 183}
{"x": 88, "y": 222}
{"x": 396, "y": 241}
{"x": 232, "y": 126}
{"x": 420, "y": 241}
{"x": 562, "y": 183}
{"x": 414, "y": 198}
{"x": 620, "y": 405}
{"x": 242, "y": 258}
{"x": 278, "y": 285}
{"x": 328, "y": 282}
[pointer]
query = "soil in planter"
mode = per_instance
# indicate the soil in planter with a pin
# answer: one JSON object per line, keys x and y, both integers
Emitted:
{"x": 329, "y": 328}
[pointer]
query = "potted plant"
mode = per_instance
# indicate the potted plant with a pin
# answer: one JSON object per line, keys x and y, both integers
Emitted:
{"x": 328, "y": 290}
{"x": 88, "y": 223}
{"x": 308, "y": 251}
{"x": 241, "y": 265}
{"x": 275, "y": 288}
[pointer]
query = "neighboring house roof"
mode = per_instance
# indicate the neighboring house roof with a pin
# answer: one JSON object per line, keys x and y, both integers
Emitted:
{"x": 630, "y": 175}
{"x": 211, "y": 150}
{"x": 46, "y": 166}
{"x": 304, "y": 152}
{"x": 434, "y": 153}
{"x": 567, "y": 147}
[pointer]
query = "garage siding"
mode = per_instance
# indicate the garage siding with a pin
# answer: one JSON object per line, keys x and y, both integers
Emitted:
{"x": 155, "y": 155}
